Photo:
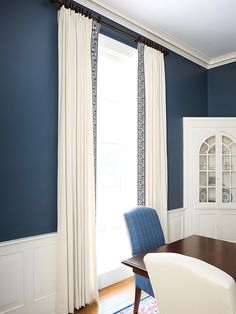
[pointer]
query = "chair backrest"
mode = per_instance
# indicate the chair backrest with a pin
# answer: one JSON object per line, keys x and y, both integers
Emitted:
{"x": 186, "y": 285}
{"x": 144, "y": 229}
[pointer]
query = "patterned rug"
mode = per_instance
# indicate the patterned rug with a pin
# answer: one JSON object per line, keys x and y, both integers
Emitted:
{"x": 147, "y": 305}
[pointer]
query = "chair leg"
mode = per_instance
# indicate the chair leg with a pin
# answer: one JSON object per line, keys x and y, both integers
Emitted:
{"x": 137, "y": 300}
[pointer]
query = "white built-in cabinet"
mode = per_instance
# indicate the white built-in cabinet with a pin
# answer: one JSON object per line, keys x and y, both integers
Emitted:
{"x": 210, "y": 176}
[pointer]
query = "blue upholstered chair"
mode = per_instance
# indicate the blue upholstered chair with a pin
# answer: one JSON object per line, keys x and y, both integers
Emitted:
{"x": 145, "y": 233}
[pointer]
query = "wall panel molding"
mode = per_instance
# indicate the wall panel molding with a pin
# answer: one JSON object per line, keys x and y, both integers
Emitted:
{"x": 11, "y": 282}
{"x": 28, "y": 275}
{"x": 176, "y": 224}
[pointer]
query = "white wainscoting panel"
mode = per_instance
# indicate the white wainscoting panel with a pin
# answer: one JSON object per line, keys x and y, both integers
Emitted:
{"x": 12, "y": 282}
{"x": 218, "y": 224}
{"x": 228, "y": 222}
{"x": 27, "y": 275}
{"x": 176, "y": 224}
{"x": 205, "y": 223}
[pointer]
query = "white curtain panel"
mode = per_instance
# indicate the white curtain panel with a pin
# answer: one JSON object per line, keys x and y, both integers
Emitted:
{"x": 156, "y": 150}
{"x": 76, "y": 257}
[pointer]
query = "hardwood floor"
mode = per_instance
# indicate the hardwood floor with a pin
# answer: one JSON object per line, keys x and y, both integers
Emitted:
{"x": 112, "y": 298}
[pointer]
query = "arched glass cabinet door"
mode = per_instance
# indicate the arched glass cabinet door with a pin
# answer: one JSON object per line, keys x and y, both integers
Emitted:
{"x": 228, "y": 189}
{"x": 207, "y": 171}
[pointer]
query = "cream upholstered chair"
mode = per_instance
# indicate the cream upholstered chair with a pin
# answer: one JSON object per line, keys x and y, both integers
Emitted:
{"x": 186, "y": 285}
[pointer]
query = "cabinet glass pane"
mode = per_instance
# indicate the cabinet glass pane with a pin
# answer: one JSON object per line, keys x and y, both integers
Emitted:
{"x": 233, "y": 149}
{"x": 226, "y": 195}
{"x": 211, "y": 162}
{"x": 233, "y": 178}
{"x": 212, "y": 178}
{"x": 233, "y": 163}
{"x": 203, "y": 195}
{"x": 233, "y": 195}
{"x": 225, "y": 150}
{"x": 225, "y": 162}
{"x": 211, "y": 140}
{"x": 228, "y": 170}
{"x": 226, "y": 140}
{"x": 212, "y": 149}
{"x": 226, "y": 178}
{"x": 211, "y": 195}
{"x": 203, "y": 162}
{"x": 204, "y": 148}
{"x": 207, "y": 173}
{"x": 203, "y": 178}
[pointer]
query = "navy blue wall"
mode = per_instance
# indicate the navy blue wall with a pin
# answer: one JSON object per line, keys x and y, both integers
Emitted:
{"x": 28, "y": 118}
{"x": 186, "y": 96}
{"x": 222, "y": 91}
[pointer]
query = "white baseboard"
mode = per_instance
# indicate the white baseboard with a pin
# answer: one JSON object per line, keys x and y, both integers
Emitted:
{"x": 28, "y": 275}
{"x": 114, "y": 276}
{"x": 176, "y": 224}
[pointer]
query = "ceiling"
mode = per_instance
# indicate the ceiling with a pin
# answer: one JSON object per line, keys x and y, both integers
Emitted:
{"x": 206, "y": 29}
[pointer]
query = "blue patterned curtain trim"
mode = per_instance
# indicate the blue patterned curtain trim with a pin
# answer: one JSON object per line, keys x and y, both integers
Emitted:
{"x": 141, "y": 126}
{"x": 94, "y": 56}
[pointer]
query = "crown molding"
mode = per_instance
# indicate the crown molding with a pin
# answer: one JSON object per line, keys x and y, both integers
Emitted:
{"x": 222, "y": 60}
{"x": 160, "y": 37}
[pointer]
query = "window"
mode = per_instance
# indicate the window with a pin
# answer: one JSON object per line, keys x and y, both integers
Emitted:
{"x": 116, "y": 151}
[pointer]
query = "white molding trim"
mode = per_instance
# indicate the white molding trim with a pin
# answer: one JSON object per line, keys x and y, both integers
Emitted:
{"x": 222, "y": 60}
{"x": 28, "y": 275}
{"x": 28, "y": 239}
{"x": 114, "y": 276}
{"x": 214, "y": 122}
{"x": 176, "y": 224}
{"x": 162, "y": 38}
{"x": 176, "y": 210}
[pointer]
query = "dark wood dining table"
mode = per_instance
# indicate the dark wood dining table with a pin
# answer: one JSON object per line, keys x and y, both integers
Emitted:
{"x": 220, "y": 254}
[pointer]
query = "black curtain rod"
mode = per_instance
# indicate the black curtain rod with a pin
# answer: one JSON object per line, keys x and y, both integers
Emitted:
{"x": 87, "y": 13}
